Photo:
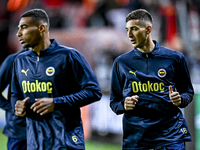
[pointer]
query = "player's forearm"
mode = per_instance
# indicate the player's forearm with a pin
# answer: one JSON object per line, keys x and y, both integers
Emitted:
{"x": 5, "y": 104}
{"x": 79, "y": 99}
{"x": 186, "y": 98}
{"x": 117, "y": 106}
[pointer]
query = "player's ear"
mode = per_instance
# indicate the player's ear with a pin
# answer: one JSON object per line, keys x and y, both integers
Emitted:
{"x": 42, "y": 28}
{"x": 148, "y": 29}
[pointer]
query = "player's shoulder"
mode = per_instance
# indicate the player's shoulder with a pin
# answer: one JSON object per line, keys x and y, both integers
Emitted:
{"x": 125, "y": 56}
{"x": 170, "y": 53}
{"x": 57, "y": 49}
{"x": 165, "y": 52}
{"x": 67, "y": 51}
{"x": 11, "y": 57}
{"x": 23, "y": 53}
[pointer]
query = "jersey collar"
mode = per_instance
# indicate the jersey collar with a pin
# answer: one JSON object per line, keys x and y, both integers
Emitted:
{"x": 47, "y": 51}
{"x": 150, "y": 54}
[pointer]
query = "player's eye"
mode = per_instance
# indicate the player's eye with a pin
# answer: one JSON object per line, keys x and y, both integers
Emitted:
{"x": 24, "y": 27}
{"x": 134, "y": 28}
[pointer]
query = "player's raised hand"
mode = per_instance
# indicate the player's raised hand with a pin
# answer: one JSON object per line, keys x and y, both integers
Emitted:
{"x": 130, "y": 102}
{"x": 20, "y": 107}
{"x": 43, "y": 105}
{"x": 174, "y": 96}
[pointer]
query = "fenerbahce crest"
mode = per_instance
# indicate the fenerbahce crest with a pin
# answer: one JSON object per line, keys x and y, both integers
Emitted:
{"x": 50, "y": 71}
{"x": 162, "y": 73}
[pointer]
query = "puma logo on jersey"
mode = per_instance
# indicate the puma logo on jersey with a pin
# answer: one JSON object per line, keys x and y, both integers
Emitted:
{"x": 25, "y": 72}
{"x": 133, "y": 72}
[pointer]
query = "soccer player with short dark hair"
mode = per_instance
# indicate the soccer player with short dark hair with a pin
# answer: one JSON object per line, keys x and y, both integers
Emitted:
{"x": 49, "y": 85}
{"x": 149, "y": 85}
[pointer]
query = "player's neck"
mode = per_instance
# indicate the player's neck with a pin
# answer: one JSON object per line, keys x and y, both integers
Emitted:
{"x": 43, "y": 45}
{"x": 147, "y": 47}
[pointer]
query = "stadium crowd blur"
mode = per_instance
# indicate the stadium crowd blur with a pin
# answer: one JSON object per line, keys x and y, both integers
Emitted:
{"x": 97, "y": 29}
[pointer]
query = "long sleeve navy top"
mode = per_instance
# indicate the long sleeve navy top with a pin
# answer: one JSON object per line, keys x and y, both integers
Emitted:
{"x": 63, "y": 74}
{"x": 15, "y": 126}
{"x": 155, "y": 121}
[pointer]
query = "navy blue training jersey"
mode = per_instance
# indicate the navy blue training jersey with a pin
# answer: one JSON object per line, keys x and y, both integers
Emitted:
{"x": 15, "y": 126}
{"x": 155, "y": 121}
{"x": 63, "y": 74}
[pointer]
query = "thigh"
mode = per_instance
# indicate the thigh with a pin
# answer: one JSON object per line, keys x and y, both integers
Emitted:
{"x": 16, "y": 144}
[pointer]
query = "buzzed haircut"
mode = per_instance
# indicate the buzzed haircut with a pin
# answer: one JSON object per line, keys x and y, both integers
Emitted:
{"x": 141, "y": 15}
{"x": 38, "y": 15}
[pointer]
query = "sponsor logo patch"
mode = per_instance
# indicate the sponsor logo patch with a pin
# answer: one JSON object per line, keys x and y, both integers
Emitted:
{"x": 37, "y": 86}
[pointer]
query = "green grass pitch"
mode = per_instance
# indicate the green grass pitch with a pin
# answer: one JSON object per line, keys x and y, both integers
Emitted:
{"x": 89, "y": 145}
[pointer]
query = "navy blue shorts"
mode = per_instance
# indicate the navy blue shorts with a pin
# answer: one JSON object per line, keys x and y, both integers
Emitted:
{"x": 16, "y": 144}
{"x": 177, "y": 146}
